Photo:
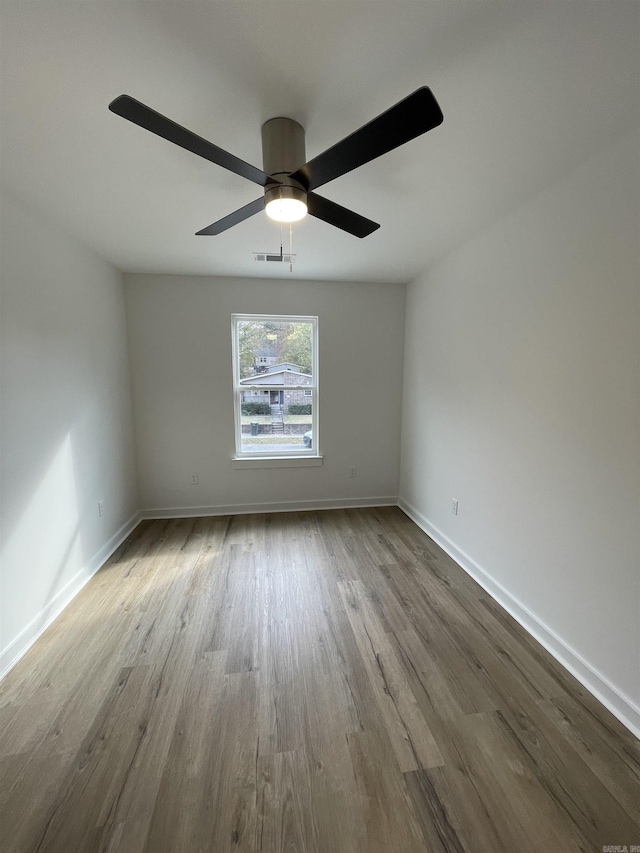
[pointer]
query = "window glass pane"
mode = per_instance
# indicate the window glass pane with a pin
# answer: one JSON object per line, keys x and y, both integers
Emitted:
{"x": 276, "y": 349}
{"x": 284, "y": 427}
{"x": 275, "y": 385}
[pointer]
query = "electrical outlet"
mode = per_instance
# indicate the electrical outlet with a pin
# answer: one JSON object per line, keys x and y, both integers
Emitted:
{"x": 100, "y": 508}
{"x": 353, "y": 471}
{"x": 194, "y": 479}
{"x": 454, "y": 506}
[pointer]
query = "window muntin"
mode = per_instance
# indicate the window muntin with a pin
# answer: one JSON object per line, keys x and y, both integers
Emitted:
{"x": 275, "y": 376}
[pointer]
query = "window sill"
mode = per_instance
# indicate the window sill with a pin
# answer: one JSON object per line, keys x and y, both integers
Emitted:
{"x": 277, "y": 462}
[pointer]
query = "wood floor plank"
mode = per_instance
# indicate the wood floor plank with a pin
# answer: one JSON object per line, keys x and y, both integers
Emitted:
{"x": 451, "y": 813}
{"x": 493, "y": 661}
{"x": 287, "y": 815}
{"x": 102, "y": 764}
{"x": 609, "y": 750}
{"x": 596, "y": 815}
{"x": 412, "y": 740}
{"x": 389, "y": 816}
{"x": 310, "y": 682}
{"x": 29, "y": 788}
{"x": 207, "y": 798}
{"x": 522, "y": 810}
{"x": 185, "y": 775}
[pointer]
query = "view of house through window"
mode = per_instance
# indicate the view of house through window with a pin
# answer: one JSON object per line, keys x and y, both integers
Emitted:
{"x": 275, "y": 385}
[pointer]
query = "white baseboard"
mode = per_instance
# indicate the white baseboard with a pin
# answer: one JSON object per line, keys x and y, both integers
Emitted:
{"x": 281, "y": 506}
{"x": 620, "y": 705}
{"x": 18, "y": 647}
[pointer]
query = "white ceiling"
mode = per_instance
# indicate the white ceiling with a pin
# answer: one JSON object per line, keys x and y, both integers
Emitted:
{"x": 528, "y": 91}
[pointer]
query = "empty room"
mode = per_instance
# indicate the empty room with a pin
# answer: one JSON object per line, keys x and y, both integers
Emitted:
{"x": 320, "y": 426}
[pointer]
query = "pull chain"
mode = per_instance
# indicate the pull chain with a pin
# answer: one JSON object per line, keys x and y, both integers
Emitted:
{"x": 290, "y": 248}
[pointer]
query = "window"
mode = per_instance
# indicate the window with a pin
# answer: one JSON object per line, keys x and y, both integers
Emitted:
{"x": 275, "y": 386}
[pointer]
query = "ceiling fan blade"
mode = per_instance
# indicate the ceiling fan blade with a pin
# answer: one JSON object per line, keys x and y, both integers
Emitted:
{"x": 149, "y": 119}
{"x": 339, "y": 216}
{"x": 413, "y": 116}
{"x": 233, "y": 218}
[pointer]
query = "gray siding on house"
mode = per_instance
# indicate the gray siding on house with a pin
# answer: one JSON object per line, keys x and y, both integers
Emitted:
{"x": 282, "y": 378}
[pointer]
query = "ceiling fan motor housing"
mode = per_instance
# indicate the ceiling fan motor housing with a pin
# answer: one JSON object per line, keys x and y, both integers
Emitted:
{"x": 283, "y": 152}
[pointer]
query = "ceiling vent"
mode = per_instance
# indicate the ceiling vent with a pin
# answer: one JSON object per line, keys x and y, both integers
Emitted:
{"x": 286, "y": 258}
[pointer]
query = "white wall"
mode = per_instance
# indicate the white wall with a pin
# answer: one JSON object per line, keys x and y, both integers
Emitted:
{"x": 521, "y": 400}
{"x": 180, "y": 345}
{"x": 66, "y": 427}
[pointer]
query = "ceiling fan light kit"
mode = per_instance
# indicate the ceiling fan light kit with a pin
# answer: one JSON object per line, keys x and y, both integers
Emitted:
{"x": 288, "y": 181}
{"x": 285, "y": 204}
{"x": 283, "y": 152}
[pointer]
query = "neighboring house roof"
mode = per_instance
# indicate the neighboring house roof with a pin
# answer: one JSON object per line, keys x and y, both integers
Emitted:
{"x": 284, "y": 365}
{"x": 269, "y": 378}
{"x": 265, "y": 353}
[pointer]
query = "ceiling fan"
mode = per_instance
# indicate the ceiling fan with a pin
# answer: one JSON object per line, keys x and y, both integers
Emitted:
{"x": 289, "y": 182}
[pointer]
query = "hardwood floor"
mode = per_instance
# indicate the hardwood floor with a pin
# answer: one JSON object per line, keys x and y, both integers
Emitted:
{"x": 326, "y": 682}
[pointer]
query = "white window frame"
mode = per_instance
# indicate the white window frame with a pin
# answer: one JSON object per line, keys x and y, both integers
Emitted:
{"x": 305, "y": 455}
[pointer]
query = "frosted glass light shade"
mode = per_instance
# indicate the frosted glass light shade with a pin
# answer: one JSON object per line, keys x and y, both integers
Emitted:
{"x": 286, "y": 209}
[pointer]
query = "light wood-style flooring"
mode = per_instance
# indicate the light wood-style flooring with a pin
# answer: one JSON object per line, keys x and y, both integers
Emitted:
{"x": 317, "y": 682}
